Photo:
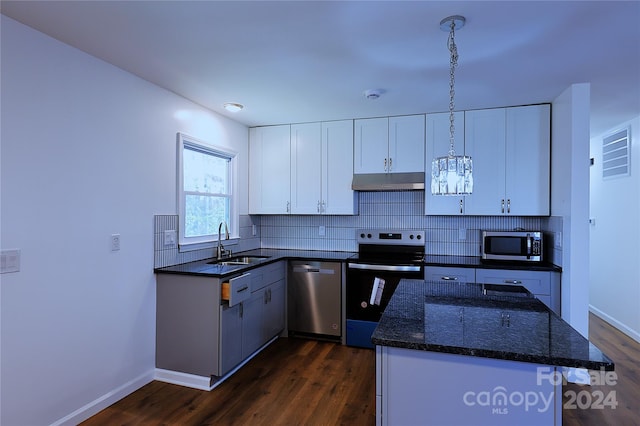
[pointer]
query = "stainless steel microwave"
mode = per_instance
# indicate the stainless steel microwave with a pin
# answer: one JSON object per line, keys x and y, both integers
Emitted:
{"x": 522, "y": 246}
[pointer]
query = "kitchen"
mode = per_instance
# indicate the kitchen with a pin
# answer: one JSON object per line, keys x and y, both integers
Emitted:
{"x": 106, "y": 344}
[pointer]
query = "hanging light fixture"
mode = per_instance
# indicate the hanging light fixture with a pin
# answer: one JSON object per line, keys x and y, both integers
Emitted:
{"x": 452, "y": 174}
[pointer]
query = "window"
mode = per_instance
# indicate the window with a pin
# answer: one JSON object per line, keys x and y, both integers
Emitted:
{"x": 205, "y": 191}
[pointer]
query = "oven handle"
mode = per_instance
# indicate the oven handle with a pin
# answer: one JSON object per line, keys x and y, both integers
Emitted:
{"x": 389, "y": 268}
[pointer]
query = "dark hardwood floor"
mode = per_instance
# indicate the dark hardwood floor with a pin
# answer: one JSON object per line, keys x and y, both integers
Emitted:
{"x": 306, "y": 382}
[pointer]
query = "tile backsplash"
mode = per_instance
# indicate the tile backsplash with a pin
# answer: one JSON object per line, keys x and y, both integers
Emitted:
{"x": 452, "y": 235}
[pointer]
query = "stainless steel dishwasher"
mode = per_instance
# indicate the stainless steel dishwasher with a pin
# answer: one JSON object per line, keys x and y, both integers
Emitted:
{"x": 314, "y": 299}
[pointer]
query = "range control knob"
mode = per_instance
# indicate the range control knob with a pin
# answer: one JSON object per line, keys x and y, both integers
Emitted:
{"x": 368, "y": 235}
{"x": 419, "y": 237}
{"x": 411, "y": 237}
{"x": 362, "y": 235}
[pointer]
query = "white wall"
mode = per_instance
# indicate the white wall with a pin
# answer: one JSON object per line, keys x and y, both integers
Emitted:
{"x": 570, "y": 198}
{"x": 87, "y": 150}
{"x": 615, "y": 239}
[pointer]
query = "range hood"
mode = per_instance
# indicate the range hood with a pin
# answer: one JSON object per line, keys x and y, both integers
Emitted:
{"x": 388, "y": 181}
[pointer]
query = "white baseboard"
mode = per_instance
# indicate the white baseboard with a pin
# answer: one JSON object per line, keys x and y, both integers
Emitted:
{"x": 635, "y": 335}
{"x": 99, "y": 404}
{"x": 183, "y": 379}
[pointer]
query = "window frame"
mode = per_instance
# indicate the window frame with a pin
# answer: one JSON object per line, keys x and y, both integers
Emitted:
{"x": 206, "y": 241}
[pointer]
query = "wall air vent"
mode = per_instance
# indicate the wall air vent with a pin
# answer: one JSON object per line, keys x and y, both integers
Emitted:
{"x": 616, "y": 154}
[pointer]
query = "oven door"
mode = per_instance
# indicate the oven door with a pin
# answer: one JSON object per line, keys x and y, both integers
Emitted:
{"x": 369, "y": 288}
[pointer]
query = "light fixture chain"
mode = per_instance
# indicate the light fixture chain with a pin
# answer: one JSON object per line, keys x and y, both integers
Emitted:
{"x": 453, "y": 63}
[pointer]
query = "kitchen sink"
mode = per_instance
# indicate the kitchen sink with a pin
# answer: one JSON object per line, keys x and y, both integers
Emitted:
{"x": 239, "y": 260}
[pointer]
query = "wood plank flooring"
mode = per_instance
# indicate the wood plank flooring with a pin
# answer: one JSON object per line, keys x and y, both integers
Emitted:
{"x": 306, "y": 382}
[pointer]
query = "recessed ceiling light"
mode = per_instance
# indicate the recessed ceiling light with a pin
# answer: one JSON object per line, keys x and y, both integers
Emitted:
{"x": 233, "y": 107}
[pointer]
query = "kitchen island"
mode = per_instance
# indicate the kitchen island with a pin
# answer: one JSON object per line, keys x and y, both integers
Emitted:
{"x": 471, "y": 354}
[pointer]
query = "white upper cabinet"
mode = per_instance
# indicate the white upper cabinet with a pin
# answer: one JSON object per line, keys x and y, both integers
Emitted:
{"x": 485, "y": 142}
{"x": 510, "y": 148}
{"x": 528, "y": 160}
{"x": 437, "y": 145}
{"x": 306, "y": 168}
{"x": 406, "y": 144}
{"x": 337, "y": 168}
{"x": 389, "y": 144}
{"x": 270, "y": 168}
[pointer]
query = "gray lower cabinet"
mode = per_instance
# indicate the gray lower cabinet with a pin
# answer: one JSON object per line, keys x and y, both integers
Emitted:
{"x": 187, "y": 324}
{"x": 545, "y": 285}
{"x": 198, "y": 333}
{"x": 245, "y": 327}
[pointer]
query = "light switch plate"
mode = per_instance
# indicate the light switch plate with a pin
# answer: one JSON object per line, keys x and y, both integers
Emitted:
{"x": 115, "y": 242}
{"x": 10, "y": 261}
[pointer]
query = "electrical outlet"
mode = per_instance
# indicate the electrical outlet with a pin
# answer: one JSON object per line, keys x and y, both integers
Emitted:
{"x": 170, "y": 237}
{"x": 462, "y": 234}
{"x": 254, "y": 230}
{"x": 321, "y": 231}
{"x": 10, "y": 261}
{"x": 557, "y": 240}
{"x": 115, "y": 242}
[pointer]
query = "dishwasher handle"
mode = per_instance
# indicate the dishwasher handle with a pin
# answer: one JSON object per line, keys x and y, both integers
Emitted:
{"x": 308, "y": 269}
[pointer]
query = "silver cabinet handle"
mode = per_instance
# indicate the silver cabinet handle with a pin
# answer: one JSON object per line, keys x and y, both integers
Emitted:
{"x": 447, "y": 278}
{"x": 509, "y": 205}
{"x": 390, "y": 163}
{"x": 385, "y": 164}
{"x": 461, "y": 315}
{"x": 502, "y": 206}
{"x": 461, "y": 204}
{"x": 240, "y": 290}
{"x": 512, "y": 282}
{"x": 318, "y": 207}
{"x": 288, "y": 206}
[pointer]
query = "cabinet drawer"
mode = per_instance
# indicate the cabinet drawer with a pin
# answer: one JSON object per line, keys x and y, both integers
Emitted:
{"x": 537, "y": 282}
{"x": 267, "y": 275}
{"x": 237, "y": 289}
{"x": 443, "y": 273}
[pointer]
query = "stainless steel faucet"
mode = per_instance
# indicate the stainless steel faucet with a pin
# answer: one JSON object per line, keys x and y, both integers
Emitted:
{"x": 220, "y": 251}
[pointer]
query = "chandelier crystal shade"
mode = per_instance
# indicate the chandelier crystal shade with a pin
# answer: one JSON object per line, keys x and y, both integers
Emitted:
{"x": 452, "y": 174}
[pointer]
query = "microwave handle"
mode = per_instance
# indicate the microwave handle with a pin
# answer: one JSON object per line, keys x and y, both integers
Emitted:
{"x": 529, "y": 240}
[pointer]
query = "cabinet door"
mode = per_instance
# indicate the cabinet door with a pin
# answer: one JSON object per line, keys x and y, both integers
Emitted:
{"x": 435, "y": 315}
{"x": 337, "y": 168}
{"x": 437, "y": 145}
{"x": 406, "y": 144}
{"x": 230, "y": 337}
{"x": 252, "y": 324}
{"x": 528, "y": 160}
{"x": 485, "y": 143}
{"x": 539, "y": 283}
{"x": 274, "y": 310}
{"x": 371, "y": 145}
{"x": 269, "y": 169}
{"x": 306, "y": 173}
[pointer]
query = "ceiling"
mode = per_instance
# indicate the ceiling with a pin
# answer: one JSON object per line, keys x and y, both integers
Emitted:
{"x": 301, "y": 61}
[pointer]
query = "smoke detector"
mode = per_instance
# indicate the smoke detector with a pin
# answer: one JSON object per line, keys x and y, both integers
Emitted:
{"x": 373, "y": 93}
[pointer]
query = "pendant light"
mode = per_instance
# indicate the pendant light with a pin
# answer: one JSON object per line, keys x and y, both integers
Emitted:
{"x": 452, "y": 174}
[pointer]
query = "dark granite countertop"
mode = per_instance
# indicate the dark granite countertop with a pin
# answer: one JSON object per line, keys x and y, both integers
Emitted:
{"x": 461, "y": 319}
{"x": 477, "y": 262}
{"x": 205, "y": 268}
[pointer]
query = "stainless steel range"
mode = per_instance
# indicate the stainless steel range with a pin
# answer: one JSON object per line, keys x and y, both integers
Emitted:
{"x": 385, "y": 256}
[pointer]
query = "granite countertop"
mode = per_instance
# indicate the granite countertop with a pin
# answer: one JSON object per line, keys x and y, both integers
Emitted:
{"x": 206, "y": 268}
{"x": 477, "y": 262}
{"x": 461, "y": 319}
